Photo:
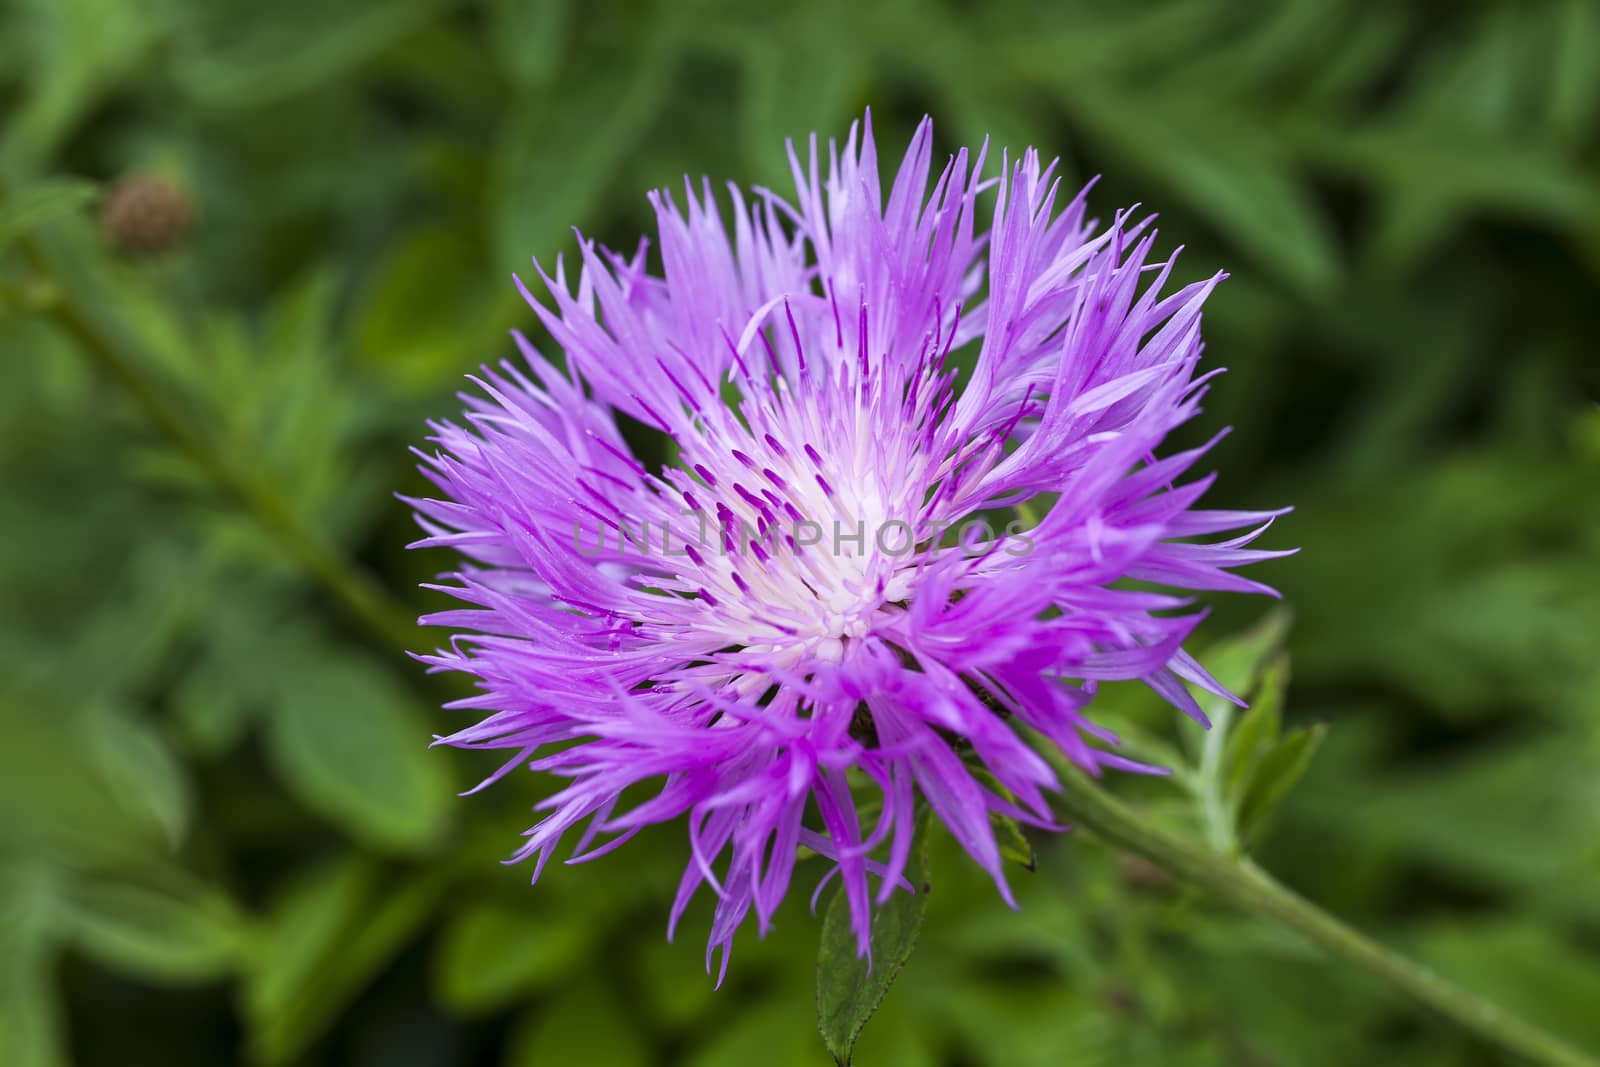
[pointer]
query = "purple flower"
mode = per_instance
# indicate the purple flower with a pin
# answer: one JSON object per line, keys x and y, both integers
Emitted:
{"x": 791, "y": 616}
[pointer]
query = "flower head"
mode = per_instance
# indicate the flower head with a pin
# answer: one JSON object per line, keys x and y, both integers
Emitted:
{"x": 811, "y": 602}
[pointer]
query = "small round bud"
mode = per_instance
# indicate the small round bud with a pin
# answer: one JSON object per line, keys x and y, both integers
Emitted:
{"x": 143, "y": 214}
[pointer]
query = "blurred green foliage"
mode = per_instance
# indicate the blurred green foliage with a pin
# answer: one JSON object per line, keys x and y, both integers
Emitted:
{"x": 223, "y": 836}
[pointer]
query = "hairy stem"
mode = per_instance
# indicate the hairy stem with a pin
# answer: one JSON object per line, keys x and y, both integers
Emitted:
{"x": 1253, "y": 890}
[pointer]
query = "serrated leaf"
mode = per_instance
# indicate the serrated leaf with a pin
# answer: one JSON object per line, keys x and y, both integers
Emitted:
{"x": 348, "y": 742}
{"x": 491, "y": 954}
{"x": 849, "y": 989}
{"x": 1279, "y": 771}
{"x": 155, "y": 935}
{"x": 36, "y": 204}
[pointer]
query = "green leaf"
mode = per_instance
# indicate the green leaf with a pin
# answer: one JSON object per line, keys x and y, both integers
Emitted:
{"x": 1239, "y": 661}
{"x": 1013, "y": 842}
{"x": 551, "y": 173}
{"x": 1235, "y": 174}
{"x": 36, "y": 204}
{"x": 229, "y": 682}
{"x": 304, "y": 930}
{"x": 210, "y": 711}
{"x": 156, "y": 935}
{"x": 74, "y": 813}
{"x": 329, "y": 936}
{"x": 1573, "y": 100}
{"x": 788, "y": 94}
{"x": 491, "y": 954}
{"x": 431, "y": 309}
{"x": 31, "y": 1030}
{"x": 849, "y": 990}
{"x": 349, "y": 743}
{"x": 1257, "y": 731}
{"x": 140, "y": 769}
{"x": 233, "y": 62}
{"x": 78, "y": 51}
{"x": 1279, "y": 771}
{"x": 1529, "y": 181}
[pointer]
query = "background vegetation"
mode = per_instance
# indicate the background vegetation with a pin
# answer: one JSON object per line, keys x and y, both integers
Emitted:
{"x": 223, "y": 836}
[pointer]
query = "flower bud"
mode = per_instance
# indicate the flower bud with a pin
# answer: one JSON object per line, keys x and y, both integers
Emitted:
{"x": 143, "y": 215}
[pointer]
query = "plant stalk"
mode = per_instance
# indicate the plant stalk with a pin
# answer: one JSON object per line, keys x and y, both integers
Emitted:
{"x": 1254, "y": 890}
{"x": 362, "y": 598}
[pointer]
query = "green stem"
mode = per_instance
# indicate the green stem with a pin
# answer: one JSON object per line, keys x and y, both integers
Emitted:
{"x": 362, "y": 598}
{"x": 1253, "y": 890}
